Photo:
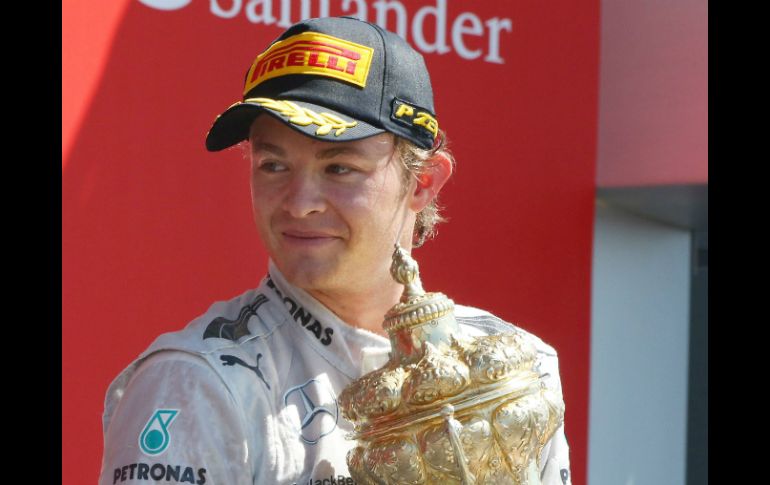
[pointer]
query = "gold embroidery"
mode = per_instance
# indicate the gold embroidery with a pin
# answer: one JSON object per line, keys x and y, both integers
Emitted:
{"x": 405, "y": 109}
{"x": 304, "y": 116}
{"x": 426, "y": 120}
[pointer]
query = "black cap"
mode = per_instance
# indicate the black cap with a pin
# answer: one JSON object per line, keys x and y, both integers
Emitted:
{"x": 335, "y": 79}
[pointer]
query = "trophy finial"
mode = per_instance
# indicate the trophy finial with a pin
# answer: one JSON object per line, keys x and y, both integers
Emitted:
{"x": 405, "y": 270}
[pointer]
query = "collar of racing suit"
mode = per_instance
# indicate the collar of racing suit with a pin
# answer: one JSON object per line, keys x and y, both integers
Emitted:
{"x": 352, "y": 350}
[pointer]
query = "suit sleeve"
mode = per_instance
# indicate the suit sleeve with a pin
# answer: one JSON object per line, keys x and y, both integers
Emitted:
{"x": 554, "y": 458}
{"x": 174, "y": 420}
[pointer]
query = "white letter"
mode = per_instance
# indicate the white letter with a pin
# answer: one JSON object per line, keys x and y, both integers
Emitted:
{"x": 305, "y": 9}
{"x": 360, "y": 13}
{"x": 285, "y": 14}
{"x": 225, "y": 14}
{"x": 439, "y": 12}
{"x": 382, "y": 7}
{"x": 459, "y": 28}
{"x": 495, "y": 25}
{"x": 266, "y": 17}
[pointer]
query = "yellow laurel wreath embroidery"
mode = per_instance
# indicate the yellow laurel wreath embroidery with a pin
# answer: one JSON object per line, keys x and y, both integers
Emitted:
{"x": 304, "y": 116}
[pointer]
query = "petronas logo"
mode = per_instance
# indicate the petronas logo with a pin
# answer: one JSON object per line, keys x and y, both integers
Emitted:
{"x": 155, "y": 438}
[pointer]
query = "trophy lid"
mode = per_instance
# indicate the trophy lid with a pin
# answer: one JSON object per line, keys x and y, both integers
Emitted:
{"x": 419, "y": 316}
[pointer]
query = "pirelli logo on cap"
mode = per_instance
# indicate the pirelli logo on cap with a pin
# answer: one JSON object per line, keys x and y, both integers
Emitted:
{"x": 315, "y": 54}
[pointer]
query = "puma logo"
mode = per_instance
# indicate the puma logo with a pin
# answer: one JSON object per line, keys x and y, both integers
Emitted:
{"x": 232, "y": 360}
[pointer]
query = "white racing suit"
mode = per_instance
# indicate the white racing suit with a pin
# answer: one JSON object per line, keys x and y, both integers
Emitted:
{"x": 247, "y": 394}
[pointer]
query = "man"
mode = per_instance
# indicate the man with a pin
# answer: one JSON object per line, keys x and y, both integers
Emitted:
{"x": 346, "y": 160}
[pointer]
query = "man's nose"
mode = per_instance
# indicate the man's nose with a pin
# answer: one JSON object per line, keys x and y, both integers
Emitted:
{"x": 303, "y": 196}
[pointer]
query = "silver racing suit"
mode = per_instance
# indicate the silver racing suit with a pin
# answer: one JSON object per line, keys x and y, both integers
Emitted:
{"x": 247, "y": 394}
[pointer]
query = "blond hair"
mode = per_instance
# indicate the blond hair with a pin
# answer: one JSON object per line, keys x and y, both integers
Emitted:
{"x": 417, "y": 161}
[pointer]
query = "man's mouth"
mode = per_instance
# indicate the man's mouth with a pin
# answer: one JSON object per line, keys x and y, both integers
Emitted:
{"x": 308, "y": 238}
{"x": 307, "y": 234}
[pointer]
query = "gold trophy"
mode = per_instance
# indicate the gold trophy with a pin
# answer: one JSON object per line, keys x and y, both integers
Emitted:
{"x": 447, "y": 408}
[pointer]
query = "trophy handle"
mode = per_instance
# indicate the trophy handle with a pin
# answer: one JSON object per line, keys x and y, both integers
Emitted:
{"x": 454, "y": 428}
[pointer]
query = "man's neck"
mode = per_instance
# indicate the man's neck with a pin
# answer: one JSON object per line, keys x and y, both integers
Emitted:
{"x": 363, "y": 310}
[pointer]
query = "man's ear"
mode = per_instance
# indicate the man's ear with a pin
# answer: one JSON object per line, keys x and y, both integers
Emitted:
{"x": 439, "y": 169}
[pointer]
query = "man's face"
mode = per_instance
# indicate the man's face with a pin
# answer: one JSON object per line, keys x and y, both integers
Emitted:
{"x": 328, "y": 213}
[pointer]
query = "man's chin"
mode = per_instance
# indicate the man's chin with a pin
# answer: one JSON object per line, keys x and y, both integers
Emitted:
{"x": 308, "y": 275}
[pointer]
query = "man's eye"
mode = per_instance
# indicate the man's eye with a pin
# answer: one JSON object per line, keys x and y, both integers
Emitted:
{"x": 336, "y": 169}
{"x": 272, "y": 167}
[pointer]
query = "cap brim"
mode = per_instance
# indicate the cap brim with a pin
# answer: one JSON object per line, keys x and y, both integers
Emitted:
{"x": 315, "y": 121}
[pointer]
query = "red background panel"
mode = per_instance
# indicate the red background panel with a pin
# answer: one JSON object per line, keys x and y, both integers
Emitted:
{"x": 155, "y": 228}
{"x": 88, "y": 29}
{"x": 654, "y": 94}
